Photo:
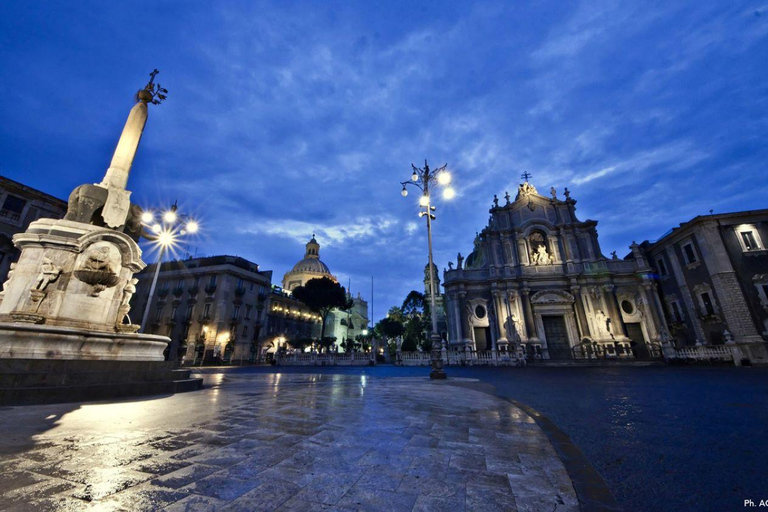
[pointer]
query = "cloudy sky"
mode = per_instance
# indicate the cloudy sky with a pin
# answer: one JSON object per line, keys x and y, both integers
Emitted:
{"x": 285, "y": 118}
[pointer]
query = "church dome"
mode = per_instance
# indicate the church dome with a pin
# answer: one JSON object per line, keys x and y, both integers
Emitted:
{"x": 311, "y": 267}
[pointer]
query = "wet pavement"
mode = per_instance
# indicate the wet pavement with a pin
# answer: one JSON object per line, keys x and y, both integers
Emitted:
{"x": 256, "y": 440}
{"x": 663, "y": 438}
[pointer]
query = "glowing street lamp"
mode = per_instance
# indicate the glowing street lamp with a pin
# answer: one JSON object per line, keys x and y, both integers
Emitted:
{"x": 423, "y": 178}
{"x": 165, "y": 235}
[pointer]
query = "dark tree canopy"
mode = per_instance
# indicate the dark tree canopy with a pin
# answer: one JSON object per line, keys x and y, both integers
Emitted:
{"x": 321, "y": 296}
{"x": 390, "y": 328}
{"x": 413, "y": 304}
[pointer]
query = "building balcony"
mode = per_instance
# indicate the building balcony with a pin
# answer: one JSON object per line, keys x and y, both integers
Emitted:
{"x": 10, "y": 216}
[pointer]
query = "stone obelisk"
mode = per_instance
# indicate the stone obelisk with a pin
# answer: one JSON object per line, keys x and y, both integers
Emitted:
{"x": 115, "y": 180}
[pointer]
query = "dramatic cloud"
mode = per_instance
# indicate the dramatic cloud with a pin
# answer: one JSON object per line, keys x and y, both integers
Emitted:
{"x": 287, "y": 119}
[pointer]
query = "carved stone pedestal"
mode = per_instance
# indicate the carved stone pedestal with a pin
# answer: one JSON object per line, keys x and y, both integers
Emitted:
{"x": 68, "y": 296}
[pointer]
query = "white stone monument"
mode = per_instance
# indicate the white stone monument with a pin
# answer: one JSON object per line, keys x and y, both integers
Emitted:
{"x": 68, "y": 295}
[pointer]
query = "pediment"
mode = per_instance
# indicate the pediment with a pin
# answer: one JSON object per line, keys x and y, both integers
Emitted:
{"x": 552, "y": 297}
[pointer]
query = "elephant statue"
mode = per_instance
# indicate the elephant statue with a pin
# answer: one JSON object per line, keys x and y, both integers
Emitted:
{"x": 86, "y": 203}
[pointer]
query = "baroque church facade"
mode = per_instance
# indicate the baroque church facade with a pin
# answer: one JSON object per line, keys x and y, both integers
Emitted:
{"x": 538, "y": 284}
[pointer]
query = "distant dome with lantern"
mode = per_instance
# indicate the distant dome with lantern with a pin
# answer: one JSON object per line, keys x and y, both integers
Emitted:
{"x": 311, "y": 267}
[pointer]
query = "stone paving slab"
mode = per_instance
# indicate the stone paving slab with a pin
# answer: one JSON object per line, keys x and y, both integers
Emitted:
{"x": 287, "y": 442}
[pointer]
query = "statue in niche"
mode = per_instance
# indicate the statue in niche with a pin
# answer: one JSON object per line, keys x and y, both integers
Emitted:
{"x": 49, "y": 272}
{"x": 539, "y": 254}
{"x": 603, "y": 323}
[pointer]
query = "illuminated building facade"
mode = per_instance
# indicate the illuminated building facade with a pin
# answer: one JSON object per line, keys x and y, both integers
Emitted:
{"x": 537, "y": 283}
{"x": 212, "y": 308}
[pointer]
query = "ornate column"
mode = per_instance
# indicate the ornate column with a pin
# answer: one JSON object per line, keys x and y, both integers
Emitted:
{"x": 498, "y": 304}
{"x": 528, "y": 313}
{"x": 522, "y": 250}
{"x": 581, "y": 317}
{"x": 466, "y": 329}
{"x": 655, "y": 324}
{"x": 453, "y": 311}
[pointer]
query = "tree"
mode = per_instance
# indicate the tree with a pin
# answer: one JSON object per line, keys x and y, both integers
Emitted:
{"x": 413, "y": 304}
{"x": 321, "y": 296}
{"x": 390, "y": 328}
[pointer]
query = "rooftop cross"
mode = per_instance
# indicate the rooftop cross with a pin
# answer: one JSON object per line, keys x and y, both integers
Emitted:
{"x": 526, "y": 175}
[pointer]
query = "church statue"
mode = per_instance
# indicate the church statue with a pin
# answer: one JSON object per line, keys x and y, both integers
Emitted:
{"x": 613, "y": 255}
{"x": 506, "y": 196}
{"x": 567, "y": 193}
{"x": 553, "y": 192}
{"x": 459, "y": 260}
{"x": 495, "y": 201}
{"x": 49, "y": 272}
{"x": 601, "y": 321}
{"x": 450, "y": 265}
{"x": 540, "y": 256}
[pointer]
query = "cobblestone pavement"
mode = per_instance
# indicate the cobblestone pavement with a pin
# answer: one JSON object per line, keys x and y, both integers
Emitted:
{"x": 284, "y": 442}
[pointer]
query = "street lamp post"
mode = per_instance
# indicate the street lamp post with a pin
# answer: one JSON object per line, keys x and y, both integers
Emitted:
{"x": 423, "y": 179}
{"x": 164, "y": 233}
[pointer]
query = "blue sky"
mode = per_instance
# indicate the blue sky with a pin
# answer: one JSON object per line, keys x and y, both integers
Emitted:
{"x": 286, "y": 118}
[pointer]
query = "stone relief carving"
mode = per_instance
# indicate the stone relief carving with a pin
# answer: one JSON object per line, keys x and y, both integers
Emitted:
{"x": 49, "y": 272}
{"x": 98, "y": 268}
{"x": 8, "y": 279}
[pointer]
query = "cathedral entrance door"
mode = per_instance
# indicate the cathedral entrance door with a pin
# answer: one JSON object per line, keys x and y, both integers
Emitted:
{"x": 482, "y": 338}
{"x": 557, "y": 337}
{"x": 639, "y": 347}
